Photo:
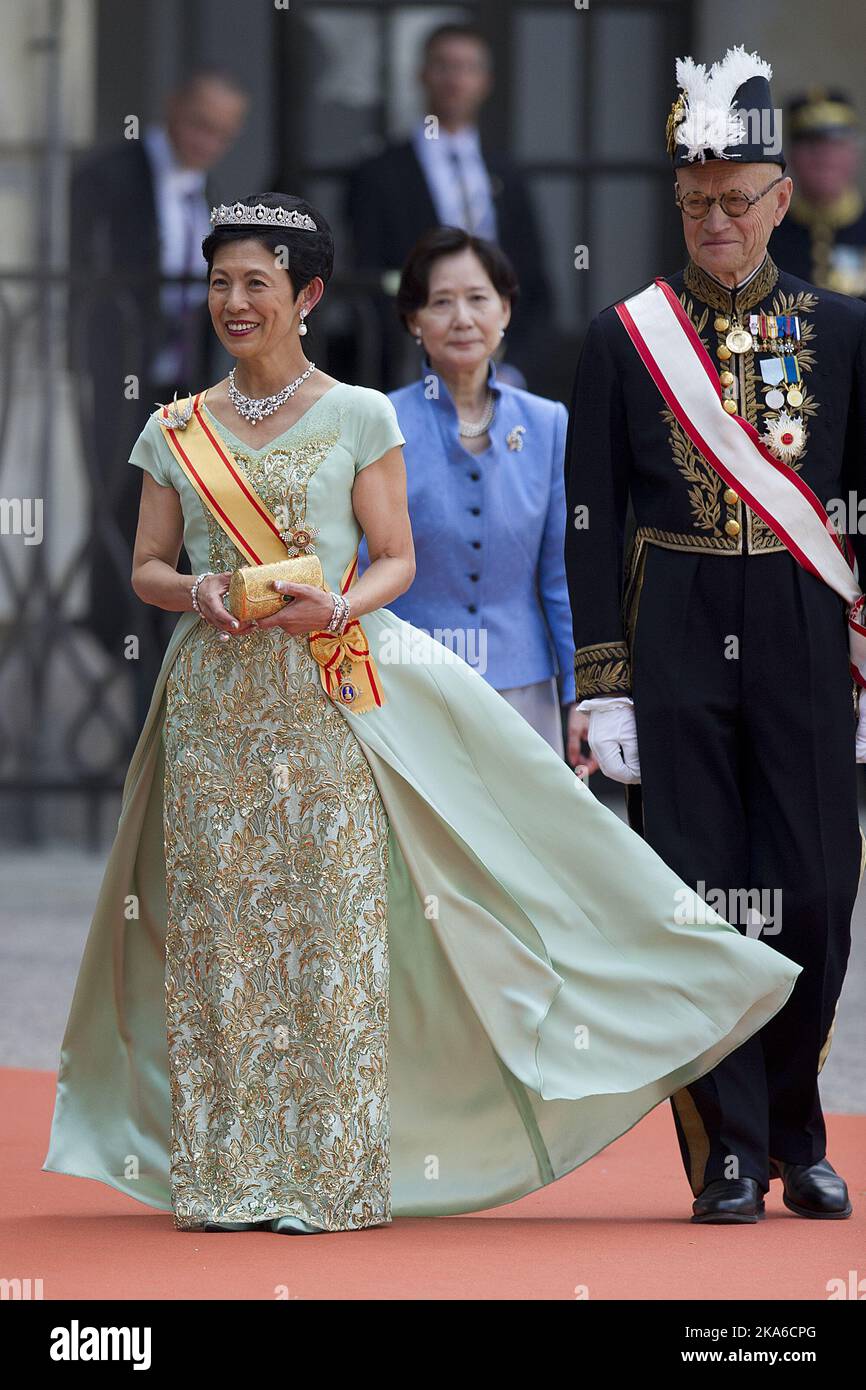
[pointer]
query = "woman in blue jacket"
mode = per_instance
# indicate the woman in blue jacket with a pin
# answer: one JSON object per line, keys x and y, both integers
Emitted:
{"x": 484, "y": 466}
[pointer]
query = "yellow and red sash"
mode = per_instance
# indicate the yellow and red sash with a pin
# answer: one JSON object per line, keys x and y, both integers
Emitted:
{"x": 680, "y": 366}
{"x": 347, "y": 670}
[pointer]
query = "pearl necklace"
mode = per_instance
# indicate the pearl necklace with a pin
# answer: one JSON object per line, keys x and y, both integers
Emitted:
{"x": 471, "y": 429}
{"x": 255, "y": 410}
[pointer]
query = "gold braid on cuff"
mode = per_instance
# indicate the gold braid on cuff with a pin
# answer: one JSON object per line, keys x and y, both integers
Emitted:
{"x": 602, "y": 669}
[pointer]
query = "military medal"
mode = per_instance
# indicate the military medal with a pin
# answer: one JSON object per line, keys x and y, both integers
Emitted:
{"x": 772, "y": 374}
{"x": 783, "y": 370}
{"x": 792, "y": 375}
{"x": 774, "y": 330}
{"x": 739, "y": 339}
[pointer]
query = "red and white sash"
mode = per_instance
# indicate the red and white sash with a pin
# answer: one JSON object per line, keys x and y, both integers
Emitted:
{"x": 680, "y": 366}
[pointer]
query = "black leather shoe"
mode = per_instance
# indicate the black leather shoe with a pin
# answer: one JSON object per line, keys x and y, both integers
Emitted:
{"x": 729, "y": 1202}
{"x": 813, "y": 1189}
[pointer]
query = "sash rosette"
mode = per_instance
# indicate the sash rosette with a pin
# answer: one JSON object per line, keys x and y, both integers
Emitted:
{"x": 346, "y": 667}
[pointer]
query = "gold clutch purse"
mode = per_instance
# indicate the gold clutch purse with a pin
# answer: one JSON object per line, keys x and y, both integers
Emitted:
{"x": 251, "y": 594}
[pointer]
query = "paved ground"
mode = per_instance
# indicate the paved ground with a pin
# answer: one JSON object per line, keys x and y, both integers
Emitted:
{"x": 616, "y": 1228}
{"x": 46, "y": 901}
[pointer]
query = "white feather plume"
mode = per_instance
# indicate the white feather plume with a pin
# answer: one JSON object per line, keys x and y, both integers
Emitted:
{"x": 710, "y": 121}
{"x": 739, "y": 66}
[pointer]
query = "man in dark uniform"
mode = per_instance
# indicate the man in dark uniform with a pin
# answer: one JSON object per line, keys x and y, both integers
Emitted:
{"x": 823, "y": 237}
{"x": 716, "y": 668}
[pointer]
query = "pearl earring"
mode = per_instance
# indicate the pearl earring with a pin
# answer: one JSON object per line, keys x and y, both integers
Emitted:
{"x": 302, "y": 327}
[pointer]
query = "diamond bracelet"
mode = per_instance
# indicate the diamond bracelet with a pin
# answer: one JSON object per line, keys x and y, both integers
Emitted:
{"x": 194, "y": 591}
{"x": 340, "y": 615}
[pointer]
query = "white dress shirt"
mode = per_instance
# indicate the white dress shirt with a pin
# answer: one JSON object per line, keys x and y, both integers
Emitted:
{"x": 183, "y": 219}
{"x": 458, "y": 179}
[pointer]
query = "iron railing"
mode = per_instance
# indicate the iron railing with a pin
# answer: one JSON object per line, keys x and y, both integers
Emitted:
{"x": 70, "y": 709}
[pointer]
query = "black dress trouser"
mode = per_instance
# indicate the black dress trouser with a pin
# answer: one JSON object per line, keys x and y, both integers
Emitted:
{"x": 745, "y": 722}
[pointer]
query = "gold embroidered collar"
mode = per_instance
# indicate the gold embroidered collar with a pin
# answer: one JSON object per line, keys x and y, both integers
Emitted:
{"x": 710, "y": 291}
{"x": 842, "y": 212}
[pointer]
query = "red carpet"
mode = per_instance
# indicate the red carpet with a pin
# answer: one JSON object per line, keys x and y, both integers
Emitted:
{"x": 617, "y": 1228}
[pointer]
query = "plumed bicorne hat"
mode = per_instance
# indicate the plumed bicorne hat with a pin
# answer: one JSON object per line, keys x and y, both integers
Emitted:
{"x": 725, "y": 113}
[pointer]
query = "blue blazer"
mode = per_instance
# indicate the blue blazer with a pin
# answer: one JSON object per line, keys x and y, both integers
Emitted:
{"x": 489, "y": 533}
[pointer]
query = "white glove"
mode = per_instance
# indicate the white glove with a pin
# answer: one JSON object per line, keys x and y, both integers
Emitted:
{"x": 860, "y": 740}
{"x": 612, "y": 736}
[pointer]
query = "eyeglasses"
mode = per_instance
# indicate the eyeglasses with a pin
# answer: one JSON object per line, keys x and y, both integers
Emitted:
{"x": 733, "y": 202}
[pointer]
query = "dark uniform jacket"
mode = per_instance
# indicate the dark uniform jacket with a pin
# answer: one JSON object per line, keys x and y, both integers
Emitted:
{"x": 624, "y": 445}
{"x": 826, "y": 245}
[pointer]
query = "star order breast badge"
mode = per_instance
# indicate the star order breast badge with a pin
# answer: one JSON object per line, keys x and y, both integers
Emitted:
{"x": 298, "y": 538}
{"x": 514, "y": 439}
{"x": 784, "y": 436}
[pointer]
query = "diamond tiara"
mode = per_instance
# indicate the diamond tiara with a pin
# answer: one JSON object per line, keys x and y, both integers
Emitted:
{"x": 241, "y": 214}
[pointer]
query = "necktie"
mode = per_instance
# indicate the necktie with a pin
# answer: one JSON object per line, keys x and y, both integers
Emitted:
{"x": 468, "y": 223}
{"x": 186, "y": 297}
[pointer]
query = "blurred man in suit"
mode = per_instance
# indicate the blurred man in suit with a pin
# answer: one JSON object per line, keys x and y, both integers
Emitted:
{"x": 446, "y": 174}
{"x": 139, "y": 211}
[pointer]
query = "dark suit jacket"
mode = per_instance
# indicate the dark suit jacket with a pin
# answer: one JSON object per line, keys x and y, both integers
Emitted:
{"x": 114, "y": 232}
{"x": 115, "y": 330}
{"x": 389, "y": 206}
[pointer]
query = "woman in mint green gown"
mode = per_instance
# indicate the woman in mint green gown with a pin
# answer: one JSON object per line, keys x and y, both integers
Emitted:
{"x": 347, "y": 964}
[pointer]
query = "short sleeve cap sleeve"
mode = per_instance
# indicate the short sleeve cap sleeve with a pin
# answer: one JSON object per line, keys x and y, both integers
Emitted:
{"x": 149, "y": 452}
{"x": 378, "y": 429}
